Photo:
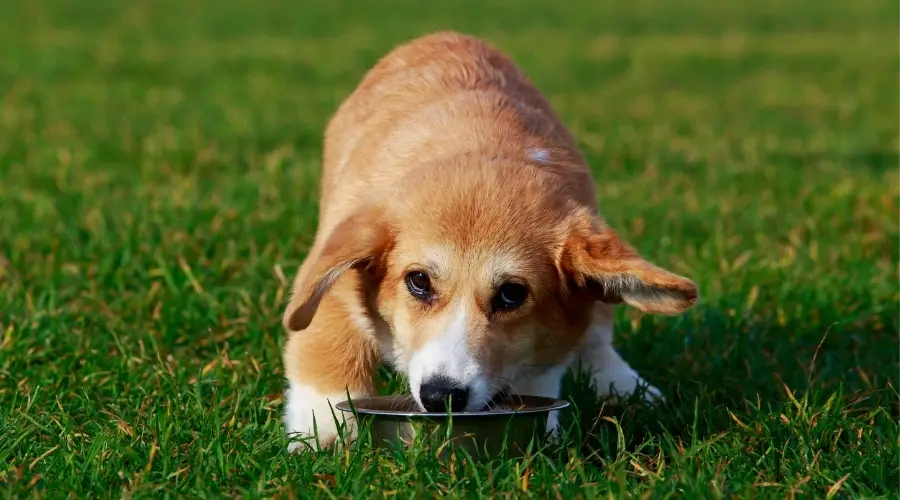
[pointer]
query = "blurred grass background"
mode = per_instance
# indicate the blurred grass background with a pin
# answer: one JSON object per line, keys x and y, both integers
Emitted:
{"x": 158, "y": 178}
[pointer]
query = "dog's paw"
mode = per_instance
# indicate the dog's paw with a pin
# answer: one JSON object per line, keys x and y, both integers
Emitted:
{"x": 651, "y": 393}
{"x": 310, "y": 420}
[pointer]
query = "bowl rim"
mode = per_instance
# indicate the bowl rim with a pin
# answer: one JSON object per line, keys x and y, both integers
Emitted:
{"x": 536, "y": 404}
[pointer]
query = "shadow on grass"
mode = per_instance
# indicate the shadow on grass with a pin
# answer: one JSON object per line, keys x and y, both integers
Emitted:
{"x": 752, "y": 371}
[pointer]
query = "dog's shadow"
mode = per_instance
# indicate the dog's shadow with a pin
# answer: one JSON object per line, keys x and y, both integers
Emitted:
{"x": 718, "y": 369}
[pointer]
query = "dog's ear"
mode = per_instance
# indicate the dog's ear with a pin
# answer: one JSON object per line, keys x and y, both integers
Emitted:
{"x": 359, "y": 241}
{"x": 595, "y": 259}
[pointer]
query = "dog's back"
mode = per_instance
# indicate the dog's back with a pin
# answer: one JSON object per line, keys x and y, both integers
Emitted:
{"x": 439, "y": 96}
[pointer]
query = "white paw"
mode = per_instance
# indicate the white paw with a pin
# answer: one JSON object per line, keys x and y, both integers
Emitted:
{"x": 651, "y": 393}
{"x": 310, "y": 419}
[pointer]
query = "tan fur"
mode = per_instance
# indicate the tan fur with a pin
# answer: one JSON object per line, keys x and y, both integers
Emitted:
{"x": 427, "y": 167}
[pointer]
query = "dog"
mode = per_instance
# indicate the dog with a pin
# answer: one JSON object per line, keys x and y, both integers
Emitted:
{"x": 459, "y": 242}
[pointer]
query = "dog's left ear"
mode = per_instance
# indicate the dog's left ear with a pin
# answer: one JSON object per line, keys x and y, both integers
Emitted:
{"x": 597, "y": 259}
{"x": 359, "y": 241}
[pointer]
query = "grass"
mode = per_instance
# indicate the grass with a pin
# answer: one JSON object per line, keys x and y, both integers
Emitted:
{"x": 158, "y": 179}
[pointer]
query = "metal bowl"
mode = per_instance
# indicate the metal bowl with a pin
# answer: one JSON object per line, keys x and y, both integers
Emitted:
{"x": 517, "y": 424}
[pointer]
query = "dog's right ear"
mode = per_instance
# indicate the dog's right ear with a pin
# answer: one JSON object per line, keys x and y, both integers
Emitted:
{"x": 357, "y": 242}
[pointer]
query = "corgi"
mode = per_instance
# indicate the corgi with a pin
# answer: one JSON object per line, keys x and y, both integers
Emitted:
{"x": 459, "y": 242}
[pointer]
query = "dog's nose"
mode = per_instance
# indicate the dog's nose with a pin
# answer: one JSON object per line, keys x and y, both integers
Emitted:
{"x": 438, "y": 392}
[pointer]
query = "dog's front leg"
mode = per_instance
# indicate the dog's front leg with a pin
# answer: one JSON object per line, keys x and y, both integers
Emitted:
{"x": 332, "y": 357}
{"x": 544, "y": 382}
{"x": 610, "y": 374}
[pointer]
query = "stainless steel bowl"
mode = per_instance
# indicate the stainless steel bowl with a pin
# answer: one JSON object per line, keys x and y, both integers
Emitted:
{"x": 518, "y": 423}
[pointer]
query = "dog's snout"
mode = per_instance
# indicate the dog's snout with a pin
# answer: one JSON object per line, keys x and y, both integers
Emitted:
{"x": 439, "y": 392}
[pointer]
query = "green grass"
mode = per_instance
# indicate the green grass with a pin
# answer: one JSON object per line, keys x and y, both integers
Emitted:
{"x": 158, "y": 178}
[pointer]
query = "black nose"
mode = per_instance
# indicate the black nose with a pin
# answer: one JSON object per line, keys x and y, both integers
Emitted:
{"x": 437, "y": 393}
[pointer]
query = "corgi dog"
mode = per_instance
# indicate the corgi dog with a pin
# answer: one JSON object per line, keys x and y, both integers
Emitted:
{"x": 459, "y": 242}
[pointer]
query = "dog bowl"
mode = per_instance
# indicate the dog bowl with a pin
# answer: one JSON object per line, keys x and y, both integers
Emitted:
{"x": 515, "y": 423}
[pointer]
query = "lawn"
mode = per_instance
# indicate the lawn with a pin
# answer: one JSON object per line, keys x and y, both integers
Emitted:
{"x": 159, "y": 166}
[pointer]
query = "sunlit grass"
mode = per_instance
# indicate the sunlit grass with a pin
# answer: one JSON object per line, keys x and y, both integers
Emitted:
{"x": 158, "y": 181}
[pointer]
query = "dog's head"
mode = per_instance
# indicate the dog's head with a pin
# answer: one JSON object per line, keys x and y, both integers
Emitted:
{"x": 480, "y": 274}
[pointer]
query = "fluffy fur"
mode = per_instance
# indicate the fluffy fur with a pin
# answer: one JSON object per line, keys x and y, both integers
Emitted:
{"x": 447, "y": 161}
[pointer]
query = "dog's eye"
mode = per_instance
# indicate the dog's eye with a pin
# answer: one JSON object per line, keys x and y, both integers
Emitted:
{"x": 510, "y": 296}
{"x": 419, "y": 285}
